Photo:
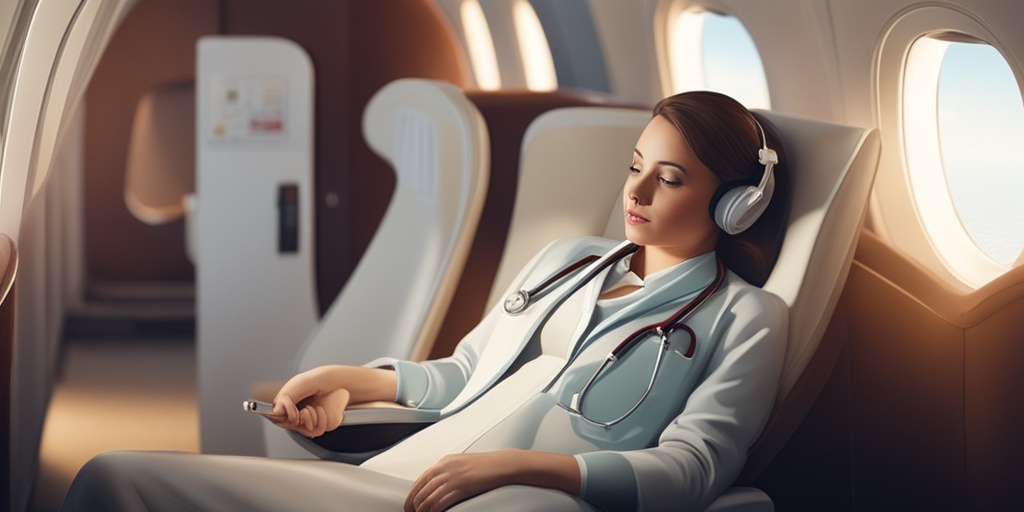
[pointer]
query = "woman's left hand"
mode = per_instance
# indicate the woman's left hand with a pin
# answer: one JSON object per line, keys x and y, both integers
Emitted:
{"x": 457, "y": 477}
{"x": 460, "y": 476}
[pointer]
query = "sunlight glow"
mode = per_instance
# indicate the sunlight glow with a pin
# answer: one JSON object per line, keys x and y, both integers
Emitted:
{"x": 537, "y": 61}
{"x": 924, "y": 157}
{"x": 715, "y": 52}
{"x": 480, "y": 44}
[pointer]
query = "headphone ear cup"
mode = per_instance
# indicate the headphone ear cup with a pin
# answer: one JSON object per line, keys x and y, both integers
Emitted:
{"x": 737, "y": 207}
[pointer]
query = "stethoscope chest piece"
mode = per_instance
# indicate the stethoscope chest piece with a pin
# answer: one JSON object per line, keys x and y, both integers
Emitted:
{"x": 516, "y": 302}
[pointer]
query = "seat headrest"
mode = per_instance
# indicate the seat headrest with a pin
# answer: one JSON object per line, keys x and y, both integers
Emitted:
{"x": 160, "y": 165}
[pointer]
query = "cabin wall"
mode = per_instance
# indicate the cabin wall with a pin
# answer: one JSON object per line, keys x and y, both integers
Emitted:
{"x": 921, "y": 411}
{"x": 155, "y": 46}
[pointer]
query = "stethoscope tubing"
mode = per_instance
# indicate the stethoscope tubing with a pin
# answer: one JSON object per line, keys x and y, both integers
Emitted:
{"x": 519, "y": 300}
{"x": 663, "y": 329}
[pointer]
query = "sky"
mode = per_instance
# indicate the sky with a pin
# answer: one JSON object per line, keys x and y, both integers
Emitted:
{"x": 981, "y": 126}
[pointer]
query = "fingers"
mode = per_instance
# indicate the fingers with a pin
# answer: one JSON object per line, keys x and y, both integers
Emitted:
{"x": 284, "y": 407}
{"x": 308, "y": 421}
{"x": 305, "y": 406}
{"x": 435, "y": 498}
{"x": 439, "y": 487}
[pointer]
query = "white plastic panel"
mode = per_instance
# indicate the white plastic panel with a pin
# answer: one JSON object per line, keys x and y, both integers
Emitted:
{"x": 255, "y": 305}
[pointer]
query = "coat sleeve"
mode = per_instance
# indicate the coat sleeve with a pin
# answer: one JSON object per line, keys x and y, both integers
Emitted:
{"x": 434, "y": 384}
{"x": 702, "y": 451}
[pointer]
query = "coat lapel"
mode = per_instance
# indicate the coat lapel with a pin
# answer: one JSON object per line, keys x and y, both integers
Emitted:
{"x": 680, "y": 288}
{"x": 513, "y": 332}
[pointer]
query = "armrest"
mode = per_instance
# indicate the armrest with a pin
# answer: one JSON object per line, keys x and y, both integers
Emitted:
{"x": 367, "y": 431}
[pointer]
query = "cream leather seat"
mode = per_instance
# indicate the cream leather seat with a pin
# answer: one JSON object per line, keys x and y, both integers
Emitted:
{"x": 436, "y": 141}
{"x": 398, "y": 294}
{"x": 832, "y": 168}
{"x": 160, "y": 164}
{"x": 573, "y": 155}
{"x": 574, "y": 162}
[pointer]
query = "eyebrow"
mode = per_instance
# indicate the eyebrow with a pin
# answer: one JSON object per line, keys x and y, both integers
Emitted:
{"x": 664, "y": 162}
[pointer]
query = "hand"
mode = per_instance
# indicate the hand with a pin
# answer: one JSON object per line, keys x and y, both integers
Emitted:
{"x": 460, "y": 476}
{"x": 309, "y": 405}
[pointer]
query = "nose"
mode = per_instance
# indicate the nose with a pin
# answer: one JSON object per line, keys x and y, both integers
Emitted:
{"x": 638, "y": 189}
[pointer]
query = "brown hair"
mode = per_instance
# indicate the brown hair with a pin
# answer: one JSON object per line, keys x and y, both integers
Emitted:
{"x": 724, "y": 136}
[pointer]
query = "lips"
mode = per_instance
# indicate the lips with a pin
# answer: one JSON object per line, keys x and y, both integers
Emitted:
{"x": 635, "y": 218}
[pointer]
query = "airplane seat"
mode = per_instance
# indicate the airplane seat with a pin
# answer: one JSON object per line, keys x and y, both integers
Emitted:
{"x": 398, "y": 294}
{"x": 509, "y": 114}
{"x": 8, "y": 270}
{"x": 418, "y": 42}
{"x": 573, "y": 165}
{"x": 160, "y": 162}
{"x": 349, "y": 193}
{"x": 831, "y": 168}
{"x": 568, "y": 158}
{"x": 436, "y": 141}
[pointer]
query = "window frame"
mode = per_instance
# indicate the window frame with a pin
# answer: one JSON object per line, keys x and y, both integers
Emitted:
{"x": 911, "y": 207}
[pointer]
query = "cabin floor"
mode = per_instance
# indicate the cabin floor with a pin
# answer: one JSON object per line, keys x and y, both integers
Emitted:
{"x": 117, "y": 389}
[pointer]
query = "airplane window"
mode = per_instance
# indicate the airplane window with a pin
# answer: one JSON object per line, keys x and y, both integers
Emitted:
{"x": 963, "y": 115}
{"x": 537, "y": 61}
{"x": 481, "y": 46}
{"x": 981, "y": 122}
{"x": 714, "y": 51}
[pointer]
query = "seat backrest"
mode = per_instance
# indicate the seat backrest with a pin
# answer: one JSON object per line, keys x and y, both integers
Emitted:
{"x": 570, "y": 157}
{"x": 832, "y": 168}
{"x": 508, "y": 115}
{"x": 393, "y": 303}
{"x": 572, "y": 168}
{"x": 160, "y": 165}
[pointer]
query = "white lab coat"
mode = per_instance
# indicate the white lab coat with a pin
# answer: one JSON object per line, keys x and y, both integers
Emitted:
{"x": 678, "y": 451}
{"x": 500, "y": 388}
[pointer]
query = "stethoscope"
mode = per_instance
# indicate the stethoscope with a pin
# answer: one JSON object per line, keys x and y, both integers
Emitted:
{"x": 518, "y": 301}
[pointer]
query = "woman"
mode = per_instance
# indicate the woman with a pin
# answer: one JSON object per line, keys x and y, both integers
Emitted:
{"x": 535, "y": 415}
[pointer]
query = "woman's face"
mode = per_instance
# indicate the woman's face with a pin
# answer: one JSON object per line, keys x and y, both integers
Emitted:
{"x": 667, "y": 194}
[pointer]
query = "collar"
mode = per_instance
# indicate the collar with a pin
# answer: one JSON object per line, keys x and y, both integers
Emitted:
{"x": 620, "y": 274}
{"x": 678, "y": 282}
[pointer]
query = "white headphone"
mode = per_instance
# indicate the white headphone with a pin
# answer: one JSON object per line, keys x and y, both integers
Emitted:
{"x": 735, "y": 207}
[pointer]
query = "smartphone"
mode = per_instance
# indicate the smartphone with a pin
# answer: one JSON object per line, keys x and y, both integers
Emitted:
{"x": 257, "y": 407}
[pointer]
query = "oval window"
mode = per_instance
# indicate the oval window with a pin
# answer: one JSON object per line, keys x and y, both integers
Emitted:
{"x": 963, "y": 116}
{"x": 480, "y": 46}
{"x": 714, "y": 51}
{"x": 538, "y": 64}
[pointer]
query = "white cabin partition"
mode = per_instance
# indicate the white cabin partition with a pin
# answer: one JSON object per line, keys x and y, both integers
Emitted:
{"x": 251, "y": 230}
